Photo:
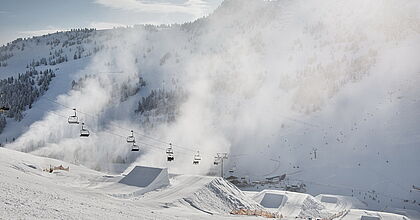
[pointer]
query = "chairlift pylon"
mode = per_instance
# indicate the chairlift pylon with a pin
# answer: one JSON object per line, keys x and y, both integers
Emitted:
{"x": 73, "y": 118}
{"x": 130, "y": 138}
{"x": 84, "y": 132}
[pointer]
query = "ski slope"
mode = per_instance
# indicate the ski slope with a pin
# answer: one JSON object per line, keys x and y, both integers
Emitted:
{"x": 81, "y": 193}
{"x": 60, "y": 85}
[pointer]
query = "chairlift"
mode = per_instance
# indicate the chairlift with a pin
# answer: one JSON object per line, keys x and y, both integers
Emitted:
{"x": 197, "y": 158}
{"x": 131, "y": 139}
{"x": 231, "y": 170}
{"x": 4, "y": 108}
{"x": 84, "y": 132}
{"x": 73, "y": 118}
{"x": 170, "y": 157}
{"x": 135, "y": 147}
{"x": 170, "y": 153}
{"x": 216, "y": 160}
{"x": 169, "y": 150}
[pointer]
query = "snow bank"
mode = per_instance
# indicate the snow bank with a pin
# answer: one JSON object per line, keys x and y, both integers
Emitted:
{"x": 372, "y": 215}
{"x": 300, "y": 205}
{"x": 220, "y": 196}
{"x": 27, "y": 192}
{"x": 210, "y": 195}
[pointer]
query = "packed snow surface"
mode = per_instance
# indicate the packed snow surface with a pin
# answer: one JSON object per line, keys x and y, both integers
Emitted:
{"x": 81, "y": 193}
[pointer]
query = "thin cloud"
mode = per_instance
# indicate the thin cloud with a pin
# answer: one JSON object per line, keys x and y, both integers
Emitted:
{"x": 193, "y": 7}
{"x": 105, "y": 25}
{"x": 41, "y": 32}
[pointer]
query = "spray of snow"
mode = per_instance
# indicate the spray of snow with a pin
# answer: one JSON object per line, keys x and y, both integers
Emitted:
{"x": 258, "y": 76}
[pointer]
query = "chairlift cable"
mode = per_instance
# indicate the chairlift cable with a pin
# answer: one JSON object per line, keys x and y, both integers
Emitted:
{"x": 117, "y": 126}
{"x": 105, "y": 131}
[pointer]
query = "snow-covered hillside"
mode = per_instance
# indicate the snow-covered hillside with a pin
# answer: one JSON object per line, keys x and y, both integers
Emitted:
{"x": 81, "y": 193}
{"x": 322, "y": 91}
{"x": 29, "y": 191}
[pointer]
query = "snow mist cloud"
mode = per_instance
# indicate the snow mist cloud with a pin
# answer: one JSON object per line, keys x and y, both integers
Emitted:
{"x": 269, "y": 82}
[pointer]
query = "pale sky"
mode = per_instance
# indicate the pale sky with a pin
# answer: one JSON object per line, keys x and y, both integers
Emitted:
{"x": 26, "y": 18}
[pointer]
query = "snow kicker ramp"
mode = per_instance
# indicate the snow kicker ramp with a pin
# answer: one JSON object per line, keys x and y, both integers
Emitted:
{"x": 142, "y": 176}
{"x": 291, "y": 204}
{"x": 140, "y": 180}
{"x": 339, "y": 203}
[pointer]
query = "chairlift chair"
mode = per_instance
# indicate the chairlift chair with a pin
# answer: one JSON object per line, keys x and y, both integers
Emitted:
{"x": 170, "y": 153}
{"x": 170, "y": 157}
{"x": 231, "y": 170}
{"x": 4, "y": 108}
{"x": 131, "y": 139}
{"x": 73, "y": 118}
{"x": 169, "y": 150}
{"x": 84, "y": 132}
{"x": 135, "y": 147}
{"x": 197, "y": 158}
{"x": 216, "y": 161}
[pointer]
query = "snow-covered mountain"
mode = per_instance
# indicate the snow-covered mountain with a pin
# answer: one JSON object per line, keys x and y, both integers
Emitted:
{"x": 322, "y": 91}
